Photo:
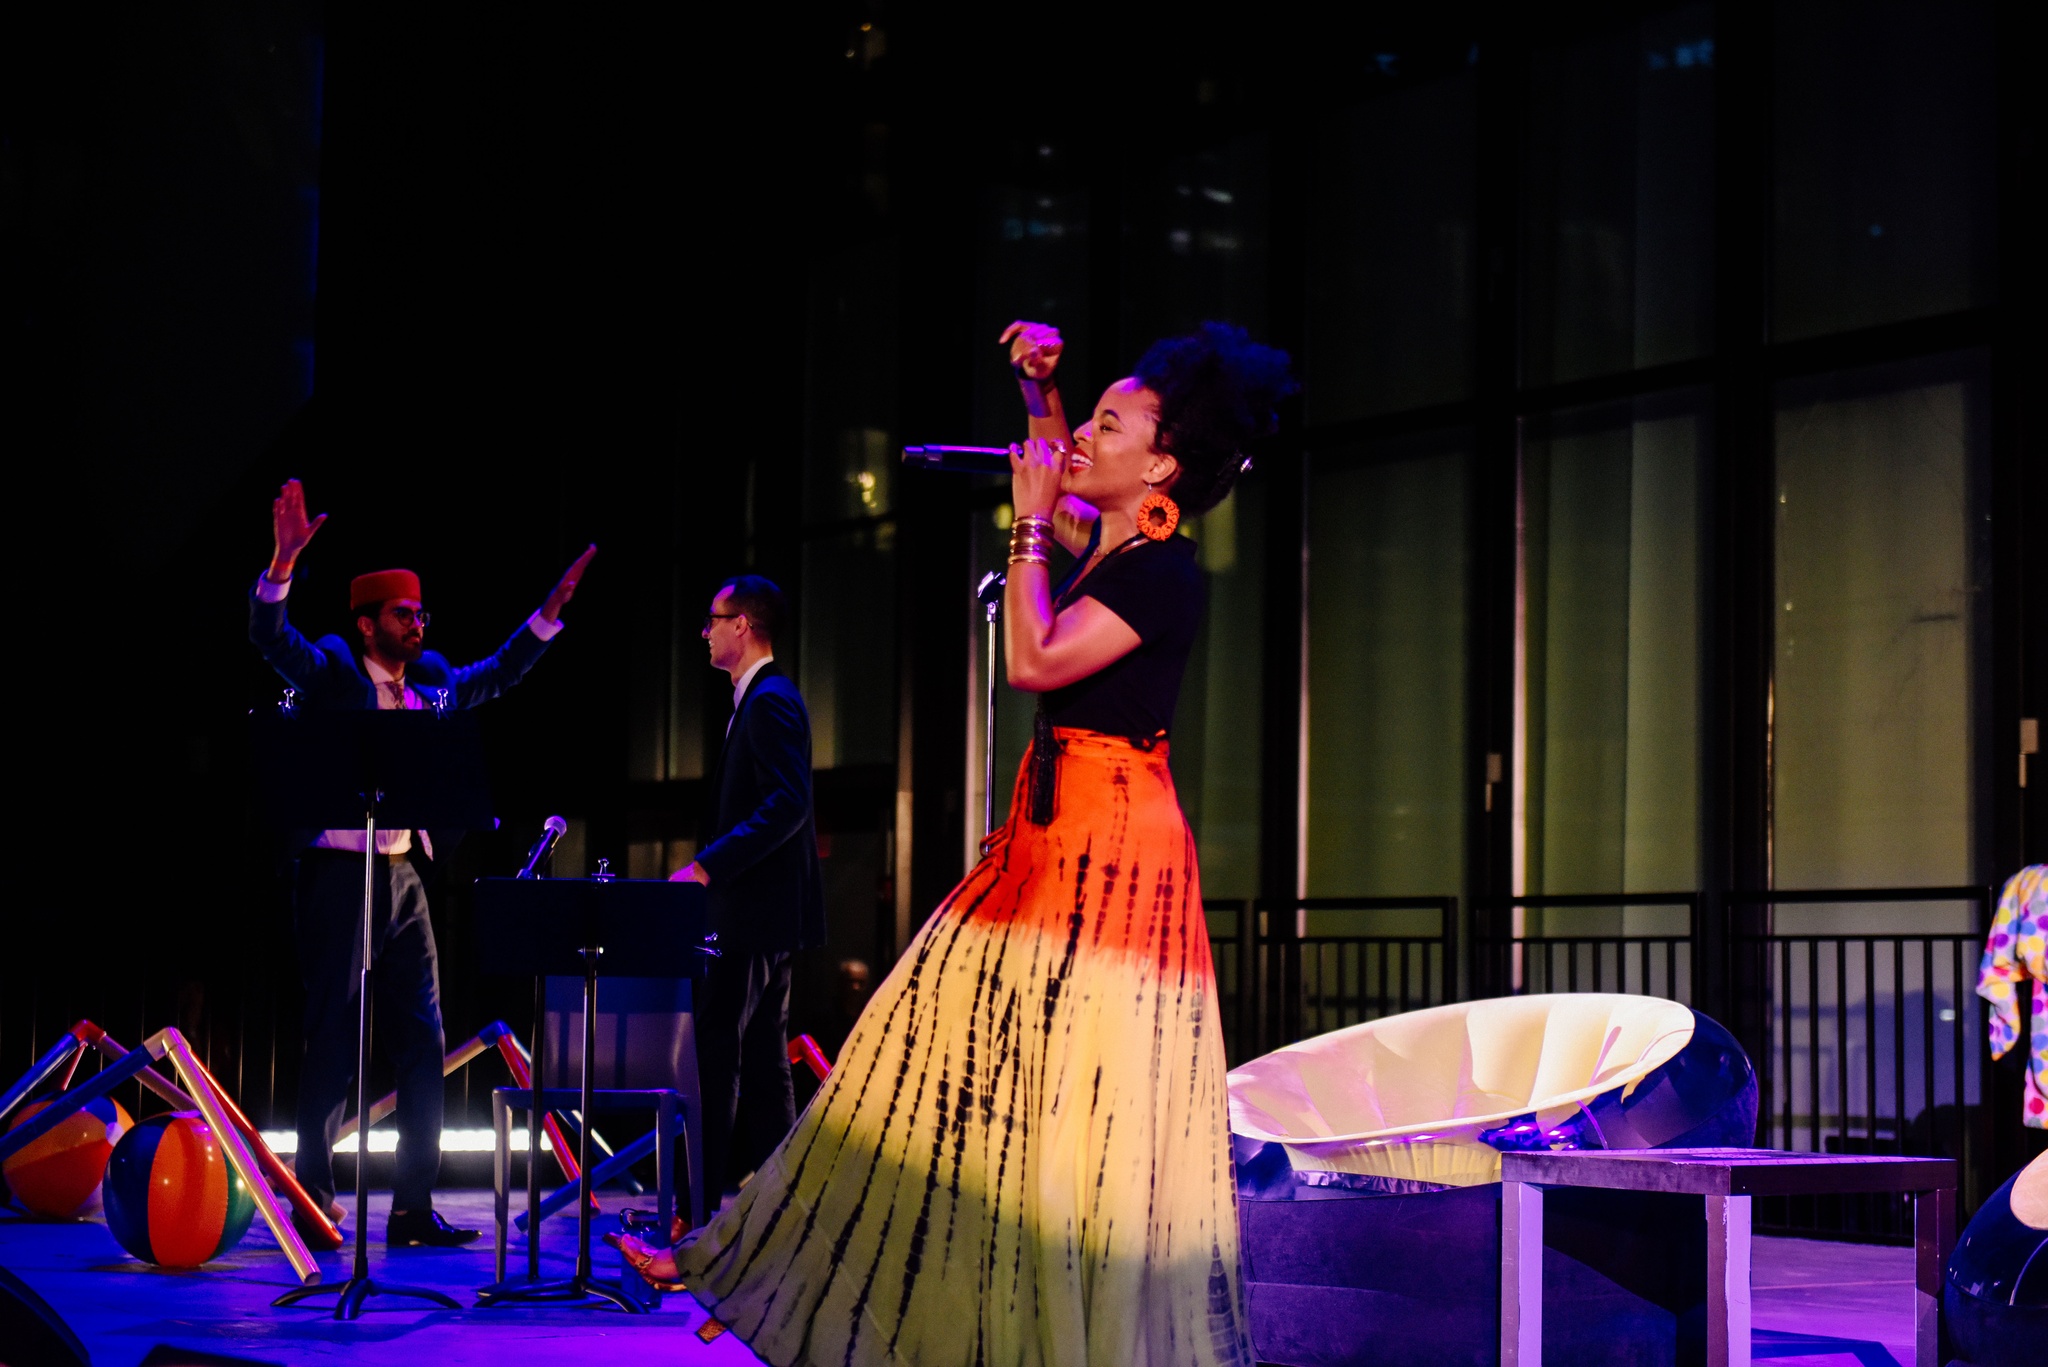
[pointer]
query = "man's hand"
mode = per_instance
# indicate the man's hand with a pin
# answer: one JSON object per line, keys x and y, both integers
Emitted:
{"x": 289, "y": 529}
{"x": 551, "y": 611}
{"x": 692, "y": 872}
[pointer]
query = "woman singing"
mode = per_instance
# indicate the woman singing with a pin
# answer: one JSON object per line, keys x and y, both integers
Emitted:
{"x": 1022, "y": 1155}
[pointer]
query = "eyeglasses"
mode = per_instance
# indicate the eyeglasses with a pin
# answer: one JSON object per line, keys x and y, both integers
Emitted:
{"x": 407, "y": 617}
{"x": 711, "y": 617}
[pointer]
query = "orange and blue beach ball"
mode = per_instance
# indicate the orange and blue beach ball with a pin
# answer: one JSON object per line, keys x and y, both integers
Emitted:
{"x": 171, "y": 1196}
{"x": 56, "y": 1176}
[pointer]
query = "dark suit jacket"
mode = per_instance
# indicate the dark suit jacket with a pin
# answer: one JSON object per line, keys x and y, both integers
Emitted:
{"x": 766, "y": 891}
{"x": 329, "y": 677}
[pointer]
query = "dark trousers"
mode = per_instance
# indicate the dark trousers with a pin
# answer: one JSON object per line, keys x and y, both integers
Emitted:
{"x": 405, "y": 1017}
{"x": 743, "y": 1063}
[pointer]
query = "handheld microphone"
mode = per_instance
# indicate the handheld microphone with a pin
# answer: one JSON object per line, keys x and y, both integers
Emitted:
{"x": 555, "y": 829}
{"x": 959, "y": 460}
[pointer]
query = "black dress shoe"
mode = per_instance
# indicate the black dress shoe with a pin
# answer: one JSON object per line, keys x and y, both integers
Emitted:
{"x": 426, "y": 1229}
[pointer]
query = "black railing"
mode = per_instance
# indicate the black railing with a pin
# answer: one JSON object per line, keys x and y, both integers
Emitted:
{"x": 1279, "y": 984}
{"x": 1865, "y": 1040}
{"x": 1655, "y": 965}
{"x": 1873, "y": 1042}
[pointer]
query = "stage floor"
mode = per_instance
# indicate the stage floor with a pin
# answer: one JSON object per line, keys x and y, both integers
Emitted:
{"x": 1816, "y": 1304}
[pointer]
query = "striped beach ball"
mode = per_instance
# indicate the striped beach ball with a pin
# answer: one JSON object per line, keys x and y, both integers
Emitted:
{"x": 58, "y": 1175}
{"x": 171, "y": 1196}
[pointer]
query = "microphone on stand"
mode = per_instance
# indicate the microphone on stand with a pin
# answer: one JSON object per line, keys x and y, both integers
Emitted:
{"x": 555, "y": 829}
{"x": 959, "y": 460}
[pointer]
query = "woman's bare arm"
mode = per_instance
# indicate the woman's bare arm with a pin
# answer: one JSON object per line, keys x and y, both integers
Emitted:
{"x": 1035, "y": 353}
{"x": 1044, "y": 650}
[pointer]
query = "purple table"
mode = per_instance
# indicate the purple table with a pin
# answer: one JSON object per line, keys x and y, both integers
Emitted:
{"x": 1727, "y": 1179}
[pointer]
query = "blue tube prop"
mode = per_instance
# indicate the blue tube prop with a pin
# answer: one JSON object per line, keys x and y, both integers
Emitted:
{"x": 599, "y": 1175}
{"x": 41, "y": 1069}
{"x": 71, "y": 1102}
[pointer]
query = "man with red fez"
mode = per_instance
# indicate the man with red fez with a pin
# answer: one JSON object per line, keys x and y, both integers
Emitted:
{"x": 387, "y": 666}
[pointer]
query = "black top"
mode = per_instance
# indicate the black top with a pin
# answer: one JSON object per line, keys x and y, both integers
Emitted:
{"x": 1157, "y": 589}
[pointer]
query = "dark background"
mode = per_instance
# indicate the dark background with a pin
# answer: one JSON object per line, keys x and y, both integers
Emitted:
{"x": 497, "y": 282}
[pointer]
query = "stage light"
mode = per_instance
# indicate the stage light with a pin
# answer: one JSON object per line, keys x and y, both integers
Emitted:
{"x": 386, "y": 1141}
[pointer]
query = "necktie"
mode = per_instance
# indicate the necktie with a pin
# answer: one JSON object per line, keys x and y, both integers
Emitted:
{"x": 397, "y": 688}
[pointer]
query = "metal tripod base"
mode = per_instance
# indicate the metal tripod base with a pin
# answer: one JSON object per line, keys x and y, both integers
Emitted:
{"x": 570, "y": 1292}
{"x": 355, "y": 1291}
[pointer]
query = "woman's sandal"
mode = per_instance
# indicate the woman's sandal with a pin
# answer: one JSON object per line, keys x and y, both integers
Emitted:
{"x": 641, "y": 1222}
{"x": 656, "y": 1266}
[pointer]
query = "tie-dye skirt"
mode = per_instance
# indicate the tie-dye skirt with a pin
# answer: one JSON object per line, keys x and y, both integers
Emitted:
{"x": 1022, "y": 1154}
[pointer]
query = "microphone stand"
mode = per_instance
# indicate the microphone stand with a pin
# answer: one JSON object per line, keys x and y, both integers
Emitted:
{"x": 360, "y": 1287}
{"x": 990, "y": 595}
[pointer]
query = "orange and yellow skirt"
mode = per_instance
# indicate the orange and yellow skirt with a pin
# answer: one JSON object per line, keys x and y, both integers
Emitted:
{"x": 1022, "y": 1155}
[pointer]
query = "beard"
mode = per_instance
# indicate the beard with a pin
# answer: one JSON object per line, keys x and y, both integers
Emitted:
{"x": 408, "y": 648}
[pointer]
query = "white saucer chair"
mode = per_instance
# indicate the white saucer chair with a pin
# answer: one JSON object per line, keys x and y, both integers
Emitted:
{"x": 1400, "y": 1104}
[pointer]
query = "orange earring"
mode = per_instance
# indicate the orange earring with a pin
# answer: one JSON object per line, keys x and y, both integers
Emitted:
{"x": 1158, "y": 515}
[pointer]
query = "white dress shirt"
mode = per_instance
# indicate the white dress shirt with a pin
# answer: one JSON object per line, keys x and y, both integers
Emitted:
{"x": 739, "y": 691}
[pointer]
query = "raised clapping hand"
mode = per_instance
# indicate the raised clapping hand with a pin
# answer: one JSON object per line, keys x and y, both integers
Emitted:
{"x": 1034, "y": 348}
{"x": 551, "y": 611}
{"x": 1036, "y": 467}
{"x": 289, "y": 529}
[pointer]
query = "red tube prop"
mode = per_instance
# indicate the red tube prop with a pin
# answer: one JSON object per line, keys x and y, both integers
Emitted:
{"x": 804, "y": 1049}
{"x": 508, "y": 1049}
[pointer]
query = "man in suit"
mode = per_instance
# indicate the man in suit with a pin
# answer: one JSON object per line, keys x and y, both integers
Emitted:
{"x": 760, "y": 871}
{"x": 387, "y": 667}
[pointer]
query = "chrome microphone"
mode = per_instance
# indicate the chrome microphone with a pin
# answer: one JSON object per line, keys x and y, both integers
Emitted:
{"x": 555, "y": 829}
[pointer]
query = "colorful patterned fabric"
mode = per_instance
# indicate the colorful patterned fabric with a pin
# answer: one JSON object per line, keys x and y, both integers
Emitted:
{"x": 2018, "y": 949}
{"x": 1022, "y": 1155}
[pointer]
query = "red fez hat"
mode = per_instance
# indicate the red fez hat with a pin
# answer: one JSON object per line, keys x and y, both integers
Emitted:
{"x": 382, "y": 587}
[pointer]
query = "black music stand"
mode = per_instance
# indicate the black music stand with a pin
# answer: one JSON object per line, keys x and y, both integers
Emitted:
{"x": 650, "y": 928}
{"x": 378, "y": 770}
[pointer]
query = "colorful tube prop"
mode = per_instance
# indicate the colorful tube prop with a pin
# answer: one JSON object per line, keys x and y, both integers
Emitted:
{"x": 168, "y": 1043}
{"x": 64, "y": 1050}
{"x": 326, "y": 1234}
{"x": 522, "y": 1076}
{"x": 383, "y": 1107}
{"x": 803, "y": 1049}
{"x": 599, "y": 1175}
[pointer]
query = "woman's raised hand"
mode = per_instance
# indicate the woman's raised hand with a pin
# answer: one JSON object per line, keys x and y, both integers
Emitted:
{"x": 1034, "y": 348}
{"x": 1036, "y": 467}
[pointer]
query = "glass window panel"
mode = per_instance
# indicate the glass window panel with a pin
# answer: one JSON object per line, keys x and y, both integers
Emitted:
{"x": 1032, "y": 262}
{"x": 1884, "y": 172}
{"x": 1195, "y": 244}
{"x": 1608, "y": 778}
{"x": 669, "y": 674}
{"x": 1617, "y": 246}
{"x": 1389, "y": 573}
{"x": 1880, "y": 572}
{"x": 847, "y": 646}
{"x": 850, "y": 468}
{"x": 1216, "y": 728}
{"x": 1391, "y": 243}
